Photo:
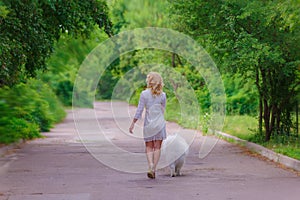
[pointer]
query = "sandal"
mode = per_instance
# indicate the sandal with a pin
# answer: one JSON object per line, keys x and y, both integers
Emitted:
{"x": 151, "y": 174}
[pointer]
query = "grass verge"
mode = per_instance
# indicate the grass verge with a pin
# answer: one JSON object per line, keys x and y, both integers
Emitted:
{"x": 244, "y": 128}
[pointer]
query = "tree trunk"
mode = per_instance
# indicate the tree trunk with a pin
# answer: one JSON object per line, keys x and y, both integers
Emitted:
{"x": 274, "y": 116}
{"x": 260, "y": 117}
{"x": 173, "y": 60}
{"x": 267, "y": 121}
{"x": 278, "y": 122}
{"x": 266, "y": 114}
{"x": 297, "y": 120}
{"x": 260, "y": 120}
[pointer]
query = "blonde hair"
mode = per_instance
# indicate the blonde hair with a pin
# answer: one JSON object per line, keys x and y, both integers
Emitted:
{"x": 155, "y": 83}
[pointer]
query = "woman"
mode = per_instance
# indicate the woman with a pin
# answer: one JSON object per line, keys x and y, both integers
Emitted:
{"x": 154, "y": 100}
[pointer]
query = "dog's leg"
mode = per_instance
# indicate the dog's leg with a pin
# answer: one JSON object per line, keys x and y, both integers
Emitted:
{"x": 179, "y": 164}
{"x": 172, "y": 169}
{"x": 177, "y": 169}
{"x": 178, "y": 172}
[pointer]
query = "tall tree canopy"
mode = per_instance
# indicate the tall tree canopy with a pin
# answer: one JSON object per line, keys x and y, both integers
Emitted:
{"x": 259, "y": 39}
{"x": 29, "y": 28}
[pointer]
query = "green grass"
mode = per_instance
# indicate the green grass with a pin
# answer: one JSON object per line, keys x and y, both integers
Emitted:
{"x": 244, "y": 127}
{"x": 291, "y": 150}
{"x": 185, "y": 118}
{"x": 286, "y": 145}
{"x": 241, "y": 126}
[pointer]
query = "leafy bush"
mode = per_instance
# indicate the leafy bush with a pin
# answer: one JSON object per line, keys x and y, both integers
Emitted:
{"x": 14, "y": 129}
{"x": 27, "y": 109}
{"x": 27, "y": 104}
{"x": 55, "y": 108}
{"x": 64, "y": 92}
{"x": 242, "y": 97}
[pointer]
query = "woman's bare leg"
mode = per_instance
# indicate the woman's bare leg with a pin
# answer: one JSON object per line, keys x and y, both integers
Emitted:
{"x": 150, "y": 154}
{"x": 156, "y": 153}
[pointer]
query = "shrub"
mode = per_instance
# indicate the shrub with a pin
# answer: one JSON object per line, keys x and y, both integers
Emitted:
{"x": 55, "y": 107}
{"x": 64, "y": 92}
{"x": 27, "y": 104}
{"x": 14, "y": 129}
{"x": 27, "y": 109}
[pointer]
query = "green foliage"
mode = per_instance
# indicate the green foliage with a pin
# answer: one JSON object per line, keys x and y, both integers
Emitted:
{"x": 106, "y": 84}
{"x": 65, "y": 61}
{"x": 3, "y": 10}
{"x": 257, "y": 39}
{"x": 241, "y": 99}
{"x": 28, "y": 30}
{"x": 55, "y": 108}
{"x": 244, "y": 127}
{"x": 240, "y": 126}
{"x": 25, "y": 103}
{"x": 283, "y": 144}
{"x": 26, "y": 110}
{"x": 204, "y": 122}
{"x": 292, "y": 150}
{"x": 129, "y": 14}
{"x": 173, "y": 110}
{"x": 13, "y": 129}
{"x": 242, "y": 96}
{"x": 197, "y": 84}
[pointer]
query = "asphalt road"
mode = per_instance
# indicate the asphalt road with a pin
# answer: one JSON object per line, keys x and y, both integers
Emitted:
{"x": 59, "y": 167}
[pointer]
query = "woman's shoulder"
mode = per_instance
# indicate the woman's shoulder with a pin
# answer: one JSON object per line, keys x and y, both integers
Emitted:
{"x": 145, "y": 93}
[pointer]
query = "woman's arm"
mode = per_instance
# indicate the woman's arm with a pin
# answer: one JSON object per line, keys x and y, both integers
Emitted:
{"x": 138, "y": 113}
{"x": 140, "y": 108}
{"x": 163, "y": 102}
{"x": 132, "y": 125}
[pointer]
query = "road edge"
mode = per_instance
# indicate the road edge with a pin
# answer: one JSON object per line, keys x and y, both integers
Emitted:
{"x": 10, "y": 147}
{"x": 267, "y": 153}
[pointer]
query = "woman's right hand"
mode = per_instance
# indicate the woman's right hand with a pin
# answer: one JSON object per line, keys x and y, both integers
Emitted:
{"x": 132, "y": 125}
{"x": 131, "y": 128}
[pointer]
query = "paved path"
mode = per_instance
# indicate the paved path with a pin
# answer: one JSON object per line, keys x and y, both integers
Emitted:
{"x": 60, "y": 168}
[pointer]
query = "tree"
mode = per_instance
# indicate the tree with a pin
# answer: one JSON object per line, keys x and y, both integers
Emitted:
{"x": 29, "y": 28}
{"x": 259, "y": 39}
{"x": 127, "y": 15}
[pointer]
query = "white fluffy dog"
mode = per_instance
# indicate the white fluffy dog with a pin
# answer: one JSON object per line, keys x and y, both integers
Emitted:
{"x": 175, "y": 150}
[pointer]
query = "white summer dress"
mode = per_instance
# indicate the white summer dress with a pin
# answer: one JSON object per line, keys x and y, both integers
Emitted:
{"x": 154, "y": 124}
